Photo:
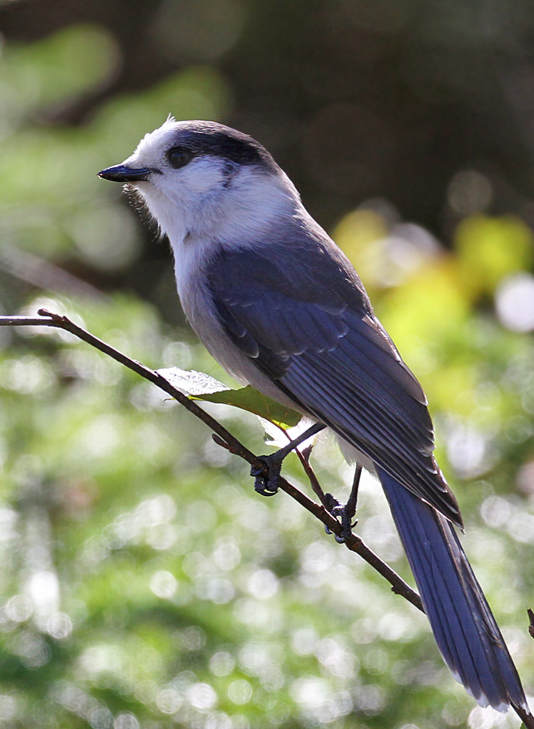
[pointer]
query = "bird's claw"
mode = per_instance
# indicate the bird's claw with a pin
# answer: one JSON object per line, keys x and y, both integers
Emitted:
{"x": 267, "y": 485}
{"x": 340, "y": 514}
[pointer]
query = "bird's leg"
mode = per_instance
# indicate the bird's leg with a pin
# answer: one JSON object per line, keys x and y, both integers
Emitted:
{"x": 345, "y": 514}
{"x": 267, "y": 484}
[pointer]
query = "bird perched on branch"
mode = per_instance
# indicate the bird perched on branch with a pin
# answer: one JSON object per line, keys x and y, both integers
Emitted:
{"x": 278, "y": 304}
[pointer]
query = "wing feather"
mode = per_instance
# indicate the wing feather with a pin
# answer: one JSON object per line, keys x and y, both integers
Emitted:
{"x": 319, "y": 339}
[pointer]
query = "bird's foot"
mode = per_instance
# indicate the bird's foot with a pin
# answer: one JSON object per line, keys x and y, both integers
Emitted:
{"x": 345, "y": 513}
{"x": 342, "y": 514}
{"x": 266, "y": 484}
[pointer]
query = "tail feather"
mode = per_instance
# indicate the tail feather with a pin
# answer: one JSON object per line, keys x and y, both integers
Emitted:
{"x": 464, "y": 627}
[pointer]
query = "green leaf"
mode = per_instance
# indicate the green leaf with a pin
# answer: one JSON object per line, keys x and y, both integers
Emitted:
{"x": 200, "y": 386}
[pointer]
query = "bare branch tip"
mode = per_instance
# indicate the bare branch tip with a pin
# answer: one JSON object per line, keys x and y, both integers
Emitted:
{"x": 48, "y": 314}
{"x": 217, "y": 439}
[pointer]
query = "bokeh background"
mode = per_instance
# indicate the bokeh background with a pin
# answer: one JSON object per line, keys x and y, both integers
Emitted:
{"x": 142, "y": 584}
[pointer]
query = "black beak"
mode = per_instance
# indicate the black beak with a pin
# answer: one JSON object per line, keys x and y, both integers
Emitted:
{"x": 121, "y": 173}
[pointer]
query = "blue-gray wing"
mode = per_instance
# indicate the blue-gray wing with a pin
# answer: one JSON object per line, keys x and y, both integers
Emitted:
{"x": 302, "y": 315}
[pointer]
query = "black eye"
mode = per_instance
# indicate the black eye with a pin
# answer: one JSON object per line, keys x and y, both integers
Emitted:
{"x": 179, "y": 157}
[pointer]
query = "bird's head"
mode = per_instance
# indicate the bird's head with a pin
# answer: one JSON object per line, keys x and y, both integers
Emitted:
{"x": 203, "y": 179}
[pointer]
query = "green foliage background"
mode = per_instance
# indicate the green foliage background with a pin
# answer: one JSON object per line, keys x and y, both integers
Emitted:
{"x": 143, "y": 583}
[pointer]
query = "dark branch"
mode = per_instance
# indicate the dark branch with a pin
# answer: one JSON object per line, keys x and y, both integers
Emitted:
{"x": 224, "y": 438}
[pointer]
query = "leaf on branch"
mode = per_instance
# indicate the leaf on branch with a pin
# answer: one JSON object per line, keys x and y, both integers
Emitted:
{"x": 200, "y": 386}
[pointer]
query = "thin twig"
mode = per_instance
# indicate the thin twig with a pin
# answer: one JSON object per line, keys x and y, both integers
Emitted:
{"x": 225, "y": 438}
{"x": 312, "y": 478}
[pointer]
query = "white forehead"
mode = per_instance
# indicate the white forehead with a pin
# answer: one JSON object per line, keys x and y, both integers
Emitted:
{"x": 152, "y": 144}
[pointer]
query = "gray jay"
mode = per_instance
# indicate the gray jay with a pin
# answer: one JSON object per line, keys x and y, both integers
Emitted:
{"x": 278, "y": 304}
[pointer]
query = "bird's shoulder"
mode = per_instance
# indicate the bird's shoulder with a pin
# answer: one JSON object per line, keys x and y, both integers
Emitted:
{"x": 301, "y": 264}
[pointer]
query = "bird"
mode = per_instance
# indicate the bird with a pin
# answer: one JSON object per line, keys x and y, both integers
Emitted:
{"x": 281, "y": 308}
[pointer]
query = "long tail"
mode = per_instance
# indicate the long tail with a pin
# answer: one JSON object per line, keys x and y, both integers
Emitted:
{"x": 464, "y": 627}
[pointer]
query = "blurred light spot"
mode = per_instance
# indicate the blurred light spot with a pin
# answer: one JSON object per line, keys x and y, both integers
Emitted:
{"x": 101, "y": 658}
{"x": 222, "y": 664}
{"x": 147, "y": 522}
{"x": 157, "y": 510}
{"x": 251, "y": 515}
{"x": 193, "y": 638}
{"x": 407, "y": 248}
{"x": 495, "y": 511}
{"x": 310, "y": 692}
{"x": 255, "y": 658}
{"x": 369, "y": 699}
{"x": 8, "y": 707}
{"x": 263, "y": 584}
{"x": 201, "y": 516}
{"x": 240, "y": 721}
{"x": 468, "y": 450}
{"x": 219, "y": 720}
{"x": 240, "y": 691}
{"x": 258, "y": 615}
{"x": 227, "y": 554}
{"x": 100, "y": 717}
{"x": 162, "y": 537}
{"x": 202, "y": 696}
{"x": 376, "y": 661}
{"x": 364, "y": 631}
{"x": 101, "y": 437}
{"x": 491, "y": 249}
{"x": 32, "y": 649}
{"x": 8, "y": 523}
{"x": 386, "y": 252}
{"x": 81, "y": 703}
{"x": 317, "y": 557}
{"x": 195, "y": 564}
{"x": 525, "y": 478}
{"x": 88, "y": 365}
{"x": 26, "y": 375}
{"x": 521, "y": 528}
{"x": 178, "y": 354}
{"x": 487, "y": 396}
{"x": 218, "y": 590}
{"x": 125, "y": 721}
{"x": 168, "y": 701}
{"x": 19, "y": 608}
{"x": 163, "y": 584}
{"x": 335, "y": 658}
{"x": 424, "y": 673}
{"x": 272, "y": 679}
{"x": 340, "y": 704}
{"x": 147, "y": 689}
{"x": 469, "y": 192}
{"x": 394, "y": 626}
{"x": 356, "y": 233}
{"x": 43, "y": 589}
{"x": 514, "y": 300}
{"x": 518, "y": 429}
{"x": 380, "y": 531}
{"x": 59, "y": 626}
{"x": 303, "y": 641}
